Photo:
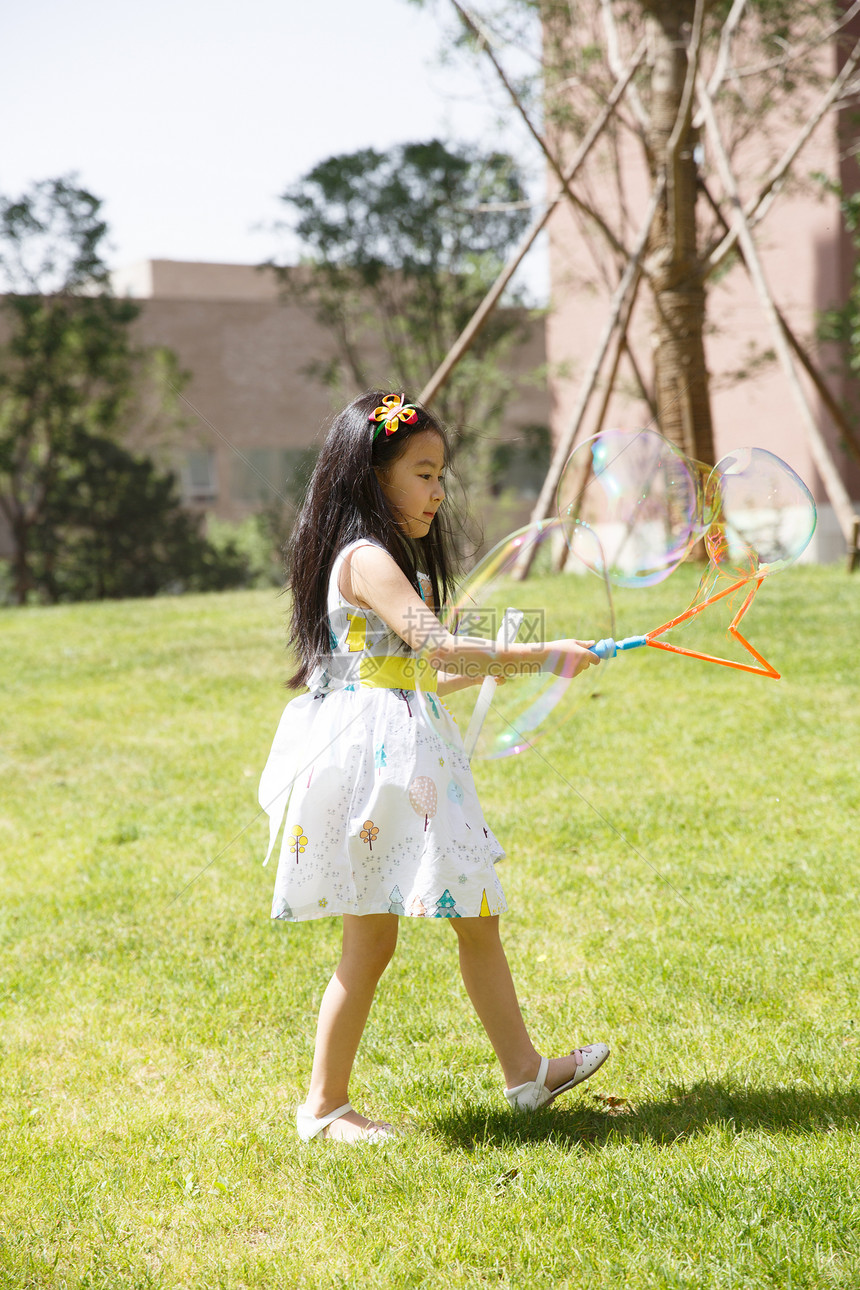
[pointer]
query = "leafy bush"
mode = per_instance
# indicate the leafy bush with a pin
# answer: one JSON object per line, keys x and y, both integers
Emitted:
{"x": 115, "y": 527}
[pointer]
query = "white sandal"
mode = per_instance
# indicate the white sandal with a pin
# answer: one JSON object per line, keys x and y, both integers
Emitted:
{"x": 309, "y": 1126}
{"x": 534, "y": 1093}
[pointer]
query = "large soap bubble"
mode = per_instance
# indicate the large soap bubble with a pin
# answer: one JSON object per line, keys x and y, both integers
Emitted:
{"x": 649, "y": 505}
{"x": 640, "y": 496}
{"x": 764, "y": 514}
{"x": 526, "y": 707}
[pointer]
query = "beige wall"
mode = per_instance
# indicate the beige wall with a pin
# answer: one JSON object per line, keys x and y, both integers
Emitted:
{"x": 247, "y": 353}
{"x": 195, "y": 280}
{"x": 249, "y": 397}
{"x": 244, "y": 356}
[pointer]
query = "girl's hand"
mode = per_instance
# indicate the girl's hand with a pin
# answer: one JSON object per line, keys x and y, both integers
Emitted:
{"x": 569, "y": 657}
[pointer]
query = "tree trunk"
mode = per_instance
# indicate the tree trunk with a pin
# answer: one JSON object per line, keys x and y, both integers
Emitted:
{"x": 20, "y": 558}
{"x": 680, "y": 370}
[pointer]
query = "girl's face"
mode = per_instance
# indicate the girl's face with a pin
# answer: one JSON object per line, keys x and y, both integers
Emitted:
{"x": 412, "y": 483}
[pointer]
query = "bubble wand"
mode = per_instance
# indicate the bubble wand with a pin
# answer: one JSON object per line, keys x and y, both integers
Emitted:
{"x": 608, "y": 648}
{"x": 649, "y": 504}
{"x": 644, "y": 507}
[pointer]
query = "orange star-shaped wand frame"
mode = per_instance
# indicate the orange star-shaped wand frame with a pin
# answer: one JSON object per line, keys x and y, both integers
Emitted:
{"x": 765, "y": 668}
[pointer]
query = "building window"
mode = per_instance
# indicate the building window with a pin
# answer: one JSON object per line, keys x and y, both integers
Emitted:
{"x": 265, "y": 474}
{"x": 520, "y": 461}
{"x": 199, "y": 476}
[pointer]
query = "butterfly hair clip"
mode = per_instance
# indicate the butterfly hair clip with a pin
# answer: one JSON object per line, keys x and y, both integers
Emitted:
{"x": 391, "y": 412}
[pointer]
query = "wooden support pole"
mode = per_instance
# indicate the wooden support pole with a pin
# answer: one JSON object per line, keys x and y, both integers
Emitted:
{"x": 812, "y": 371}
{"x": 832, "y": 480}
{"x": 545, "y": 504}
{"x": 647, "y": 395}
{"x": 727, "y": 34}
{"x": 467, "y": 337}
{"x": 555, "y": 165}
{"x": 821, "y": 386}
{"x": 552, "y": 160}
{"x": 608, "y": 387}
{"x": 756, "y": 209}
{"x": 854, "y": 548}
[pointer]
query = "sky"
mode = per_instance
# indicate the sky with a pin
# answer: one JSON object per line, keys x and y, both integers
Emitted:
{"x": 189, "y": 119}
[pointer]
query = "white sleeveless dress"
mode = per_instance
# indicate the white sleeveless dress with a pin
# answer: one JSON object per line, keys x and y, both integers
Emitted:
{"x": 381, "y": 810}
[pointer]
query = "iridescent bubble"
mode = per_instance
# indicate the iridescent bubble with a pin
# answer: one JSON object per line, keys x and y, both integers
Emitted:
{"x": 525, "y": 707}
{"x": 763, "y": 516}
{"x": 640, "y": 497}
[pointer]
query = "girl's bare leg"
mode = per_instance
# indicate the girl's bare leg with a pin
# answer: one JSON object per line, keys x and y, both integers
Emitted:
{"x": 368, "y": 944}
{"x": 490, "y": 986}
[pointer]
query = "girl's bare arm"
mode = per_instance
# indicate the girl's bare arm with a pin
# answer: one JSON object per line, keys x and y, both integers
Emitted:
{"x": 372, "y": 580}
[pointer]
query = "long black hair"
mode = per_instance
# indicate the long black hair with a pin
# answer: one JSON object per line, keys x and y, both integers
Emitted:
{"x": 345, "y": 502}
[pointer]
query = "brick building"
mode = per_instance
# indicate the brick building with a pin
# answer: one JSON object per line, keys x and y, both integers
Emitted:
{"x": 247, "y": 352}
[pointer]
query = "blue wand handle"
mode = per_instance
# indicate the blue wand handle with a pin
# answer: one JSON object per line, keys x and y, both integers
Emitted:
{"x": 609, "y": 648}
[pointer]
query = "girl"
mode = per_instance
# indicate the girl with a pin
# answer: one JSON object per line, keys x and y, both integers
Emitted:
{"x": 383, "y": 818}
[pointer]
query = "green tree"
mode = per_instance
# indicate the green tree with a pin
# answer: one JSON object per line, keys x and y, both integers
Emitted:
{"x": 398, "y": 250}
{"x": 69, "y": 370}
{"x": 113, "y": 526}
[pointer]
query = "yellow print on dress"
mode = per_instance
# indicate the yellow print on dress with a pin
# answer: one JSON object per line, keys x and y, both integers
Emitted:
{"x": 298, "y": 841}
{"x": 356, "y": 637}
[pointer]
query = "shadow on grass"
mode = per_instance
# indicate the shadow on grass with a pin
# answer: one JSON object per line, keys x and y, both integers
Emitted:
{"x": 683, "y": 1113}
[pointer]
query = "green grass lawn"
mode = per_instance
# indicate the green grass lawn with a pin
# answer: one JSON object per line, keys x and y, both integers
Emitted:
{"x": 682, "y": 876}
